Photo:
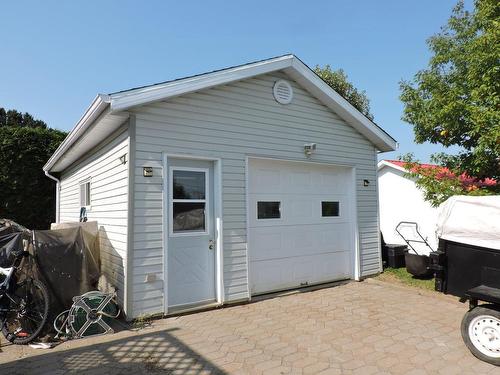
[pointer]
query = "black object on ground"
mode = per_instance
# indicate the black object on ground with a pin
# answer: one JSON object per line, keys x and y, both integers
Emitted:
{"x": 418, "y": 265}
{"x": 395, "y": 255}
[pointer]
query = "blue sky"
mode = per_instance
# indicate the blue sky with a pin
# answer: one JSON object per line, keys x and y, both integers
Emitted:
{"x": 57, "y": 55}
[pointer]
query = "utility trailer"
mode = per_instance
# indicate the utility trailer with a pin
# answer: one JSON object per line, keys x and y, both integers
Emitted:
{"x": 467, "y": 265}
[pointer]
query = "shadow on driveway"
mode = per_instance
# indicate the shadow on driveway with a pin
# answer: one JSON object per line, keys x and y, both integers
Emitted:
{"x": 149, "y": 353}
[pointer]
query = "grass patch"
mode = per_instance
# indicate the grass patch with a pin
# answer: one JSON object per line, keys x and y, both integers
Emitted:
{"x": 401, "y": 276}
{"x": 142, "y": 321}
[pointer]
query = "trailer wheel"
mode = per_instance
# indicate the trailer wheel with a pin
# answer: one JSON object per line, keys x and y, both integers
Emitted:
{"x": 481, "y": 333}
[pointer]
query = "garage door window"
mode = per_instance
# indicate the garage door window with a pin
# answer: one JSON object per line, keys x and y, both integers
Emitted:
{"x": 188, "y": 201}
{"x": 330, "y": 208}
{"x": 268, "y": 210}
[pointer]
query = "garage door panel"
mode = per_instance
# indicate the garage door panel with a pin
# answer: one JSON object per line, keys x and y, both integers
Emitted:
{"x": 276, "y": 177}
{"x": 299, "y": 209}
{"x": 292, "y": 241}
{"x": 298, "y": 245}
{"x": 267, "y": 180}
{"x": 336, "y": 238}
{"x": 279, "y": 274}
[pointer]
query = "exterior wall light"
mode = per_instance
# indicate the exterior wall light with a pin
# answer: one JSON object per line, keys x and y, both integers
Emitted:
{"x": 366, "y": 182}
{"x": 309, "y": 148}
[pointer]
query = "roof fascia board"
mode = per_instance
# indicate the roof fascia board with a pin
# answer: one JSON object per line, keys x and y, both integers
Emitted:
{"x": 99, "y": 104}
{"x": 384, "y": 163}
{"x": 345, "y": 109}
{"x": 133, "y": 98}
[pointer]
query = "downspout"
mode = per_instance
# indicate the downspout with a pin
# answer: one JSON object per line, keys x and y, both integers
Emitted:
{"x": 58, "y": 189}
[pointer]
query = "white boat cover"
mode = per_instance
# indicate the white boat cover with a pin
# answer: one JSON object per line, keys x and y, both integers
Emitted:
{"x": 470, "y": 220}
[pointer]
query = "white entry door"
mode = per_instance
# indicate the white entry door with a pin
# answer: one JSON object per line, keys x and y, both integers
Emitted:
{"x": 300, "y": 224}
{"x": 191, "y": 238}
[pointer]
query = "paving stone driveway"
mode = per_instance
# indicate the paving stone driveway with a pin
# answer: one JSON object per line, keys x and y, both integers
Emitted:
{"x": 357, "y": 328}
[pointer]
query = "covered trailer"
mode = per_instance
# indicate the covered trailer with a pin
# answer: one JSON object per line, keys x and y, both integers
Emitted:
{"x": 467, "y": 265}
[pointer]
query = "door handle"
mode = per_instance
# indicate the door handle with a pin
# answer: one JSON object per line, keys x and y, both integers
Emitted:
{"x": 211, "y": 244}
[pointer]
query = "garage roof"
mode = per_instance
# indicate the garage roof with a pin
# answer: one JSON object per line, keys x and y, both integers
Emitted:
{"x": 108, "y": 112}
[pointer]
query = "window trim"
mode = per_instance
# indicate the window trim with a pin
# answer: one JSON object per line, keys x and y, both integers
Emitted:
{"x": 171, "y": 202}
{"x": 269, "y": 201}
{"x": 83, "y": 183}
{"x": 330, "y": 217}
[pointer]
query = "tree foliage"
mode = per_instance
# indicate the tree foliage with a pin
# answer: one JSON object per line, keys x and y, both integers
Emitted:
{"x": 456, "y": 99}
{"x": 438, "y": 183}
{"x": 338, "y": 80}
{"x": 14, "y": 118}
{"x": 26, "y": 194}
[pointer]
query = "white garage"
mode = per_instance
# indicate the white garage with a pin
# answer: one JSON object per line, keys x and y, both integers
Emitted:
{"x": 301, "y": 224}
{"x": 213, "y": 188}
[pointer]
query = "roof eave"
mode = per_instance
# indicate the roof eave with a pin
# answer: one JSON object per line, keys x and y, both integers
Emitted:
{"x": 96, "y": 108}
{"x": 382, "y": 140}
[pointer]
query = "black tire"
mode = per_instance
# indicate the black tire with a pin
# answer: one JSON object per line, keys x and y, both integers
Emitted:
{"x": 38, "y": 303}
{"x": 481, "y": 333}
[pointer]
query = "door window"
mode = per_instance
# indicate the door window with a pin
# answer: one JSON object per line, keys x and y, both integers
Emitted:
{"x": 188, "y": 201}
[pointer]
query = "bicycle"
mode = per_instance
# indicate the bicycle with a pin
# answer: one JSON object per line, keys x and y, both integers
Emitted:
{"x": 24, "y": 300}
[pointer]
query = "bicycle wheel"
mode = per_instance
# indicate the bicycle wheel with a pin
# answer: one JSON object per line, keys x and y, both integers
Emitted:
{"x": 27, "y": 311}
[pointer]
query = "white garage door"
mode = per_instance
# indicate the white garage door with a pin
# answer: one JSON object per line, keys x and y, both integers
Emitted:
{"x": 300, "y": 224}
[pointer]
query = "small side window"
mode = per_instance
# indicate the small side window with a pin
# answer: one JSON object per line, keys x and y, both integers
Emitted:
{"x": 85, "y": 194}
{"x": 269, "y": 210}
{"x": 330, "y": 208}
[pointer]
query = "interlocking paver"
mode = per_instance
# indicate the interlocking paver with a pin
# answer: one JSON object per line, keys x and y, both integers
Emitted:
{"x": 355, "y": 328}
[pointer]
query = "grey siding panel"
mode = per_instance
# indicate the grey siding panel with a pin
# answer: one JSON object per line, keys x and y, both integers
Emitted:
{"x": 109, "y": 197}
{"x": 232, "y": 122}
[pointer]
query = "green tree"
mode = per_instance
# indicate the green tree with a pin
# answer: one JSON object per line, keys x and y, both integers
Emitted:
{"x": 338, "y": 80}
{"x": 456, "y": 99}
{"x": 3, "y": 117}
{"x": 26, "y": 194}
{"x": 16, "y": 118}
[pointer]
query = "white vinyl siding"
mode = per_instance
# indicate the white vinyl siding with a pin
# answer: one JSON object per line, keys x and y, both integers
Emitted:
{"x": 109, "y": 198}
{"x": 232, "y": 122}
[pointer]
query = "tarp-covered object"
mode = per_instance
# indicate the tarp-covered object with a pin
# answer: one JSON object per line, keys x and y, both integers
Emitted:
{"x": 470, "y": 220}
{"x": 68, "y": 262}
{"x": 13, "y": 238}
{"x": 90, "y": 234}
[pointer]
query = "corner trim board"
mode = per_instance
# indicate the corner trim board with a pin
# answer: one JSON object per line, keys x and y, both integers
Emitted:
{"x": 127, "y": 293}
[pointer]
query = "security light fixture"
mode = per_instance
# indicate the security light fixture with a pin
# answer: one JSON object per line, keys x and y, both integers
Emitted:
{"x": 366, "y": 182}
{"x": 309, "y": 148}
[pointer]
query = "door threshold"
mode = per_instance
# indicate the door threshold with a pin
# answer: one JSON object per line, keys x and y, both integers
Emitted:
{"x": 192, "y": 307}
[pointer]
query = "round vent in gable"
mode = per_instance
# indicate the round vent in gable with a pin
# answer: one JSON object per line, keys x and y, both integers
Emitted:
{"x": 283, "y": 92}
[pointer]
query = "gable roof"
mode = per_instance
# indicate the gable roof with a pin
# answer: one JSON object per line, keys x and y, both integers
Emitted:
{"x": 400, "y": 165}
{"x": 108, "y": 112}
